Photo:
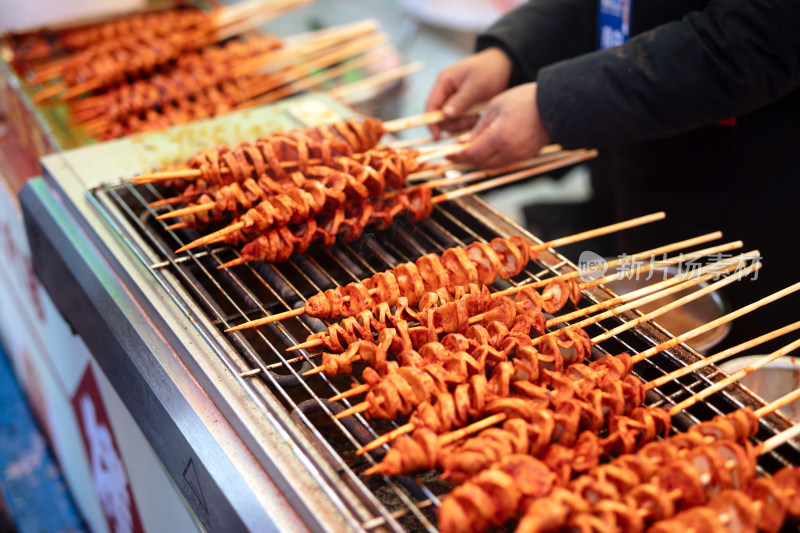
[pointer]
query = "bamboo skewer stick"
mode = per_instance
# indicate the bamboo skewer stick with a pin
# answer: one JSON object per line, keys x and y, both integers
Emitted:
{"x": 269, "y": 319}
{"x": 209, "y": 206}
{"x": 229, "y": 14}
{"x": 783, "y": 401}
{"x": 431, "y": 117}
{"x": 317, "y": 79}
{"x": 634, "y": 299}
{"x": 308, "y": 68}
{"x": 309, "y": 43}
{"x": 714, "y": 269}
{"x": 563, "y": 241}
{"x": 528, "y": 164}
{"x": 546, "y": 153}
{"x": 631, "y": 301}
{"x": 177, "y": 225}
{"x": 346, "y": 92}
{"x": 778, "y": 440}
{"x": 716, "y": 387}
{"x": 304, "y": 46}
{"x": 677, "y": 303}
{"x": 644, "y": 296}
{"x": 175, "y": 200}
{"x": 189, "y": 173}
{"x": 717, "y": 322}
{"x": 361, "y": 408}
{"x": 295, "y": 47}
{"x": 445, "y": 137}
{"x": 221, "y": 17}
{"x": 350, "y": 392}
{"x": 441, "y": 152}
{"x": 515, "y": 176}
{"x": 480, "y": 425}
{"x": 713, "y": 359}
{"x": 255, "y": 19}
{"x": 509, "y": 178}
{"x": 502, "y": 416}
{"x": 638, "y": 320}
{"x": 438, "y": 169}
{"x": 48, "y": 92}
{"x": 260, "y": 95}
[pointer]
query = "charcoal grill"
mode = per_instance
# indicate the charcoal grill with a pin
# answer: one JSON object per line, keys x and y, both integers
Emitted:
{"x": 264, "y": 440}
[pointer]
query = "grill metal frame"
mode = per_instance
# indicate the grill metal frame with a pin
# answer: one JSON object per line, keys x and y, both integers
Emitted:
{"x": 250, "y": 396}
{"x": 109, "y": 199}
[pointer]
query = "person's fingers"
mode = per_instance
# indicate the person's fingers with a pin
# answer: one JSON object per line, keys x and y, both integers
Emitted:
{"x": 497, "y": 158}
{"x": 446, "y": 84}
{"x": 436, "y": 131}
{"x": 481, "y": 144}
{"x": 469, "y": 93}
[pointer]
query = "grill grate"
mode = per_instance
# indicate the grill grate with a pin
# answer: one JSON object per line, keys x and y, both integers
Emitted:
{"x": 230, "y": 297}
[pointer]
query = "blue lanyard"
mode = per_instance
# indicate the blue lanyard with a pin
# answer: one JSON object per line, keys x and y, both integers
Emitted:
{"x": 613, "y": 22}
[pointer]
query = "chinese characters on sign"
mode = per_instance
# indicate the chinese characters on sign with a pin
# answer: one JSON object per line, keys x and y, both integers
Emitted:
{"x": 108, "y": 471}
{"x": 592, "y": 266}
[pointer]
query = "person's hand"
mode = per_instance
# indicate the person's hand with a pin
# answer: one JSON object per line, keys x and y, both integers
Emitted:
{"x": 473, "y": 80}
{"x": 510, "y": 129}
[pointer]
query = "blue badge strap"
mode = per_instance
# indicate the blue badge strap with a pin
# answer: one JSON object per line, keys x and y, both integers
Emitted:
{"x": 613, "y": 22}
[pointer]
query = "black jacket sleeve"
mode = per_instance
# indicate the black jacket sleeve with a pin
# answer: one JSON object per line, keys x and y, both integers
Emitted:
{"x": 542, "y": 32}
{"x": 732, "y": 58}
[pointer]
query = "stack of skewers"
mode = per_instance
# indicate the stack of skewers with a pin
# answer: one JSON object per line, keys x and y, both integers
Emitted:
{"x": 501, "y": 391}
{"x": 502, "y": 401}
{"x": 149, "y": 72}
{"x": 275, "y": 197}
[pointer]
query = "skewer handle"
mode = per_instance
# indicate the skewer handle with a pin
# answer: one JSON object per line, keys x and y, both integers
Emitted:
{"x": 480, "y": 425}
{"x": 211, "y": 237}
{"x": 705, "y": 393}
{"x": 431, "y": 117}
{"x": 266, "y": 320}
{"x": 314, "y": 371}
{"x": 783, "y": 401}
{"x": 627, "y": 224}
{"x": 189, "y": 210}
{"x": 713, "y": 359}
{"x": 354, "y": 391}
{"x": 313, "y": 343}
{"x": 570, "y": 158}
{"x": 388, "y": 437}
{"x": 714, "y": 323}
{"x": 779, "y": 439}
{"x": 677, "y": 303}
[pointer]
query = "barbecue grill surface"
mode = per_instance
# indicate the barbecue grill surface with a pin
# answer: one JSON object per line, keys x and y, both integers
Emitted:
{"x": 212, "y": 300}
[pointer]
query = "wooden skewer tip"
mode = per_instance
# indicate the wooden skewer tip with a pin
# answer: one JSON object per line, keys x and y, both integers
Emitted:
{"x": 314, "y": 371}
{"x": 313, "y": 343}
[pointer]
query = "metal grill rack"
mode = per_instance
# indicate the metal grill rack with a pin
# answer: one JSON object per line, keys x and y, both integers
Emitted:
{"x": 232, "y": 296}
